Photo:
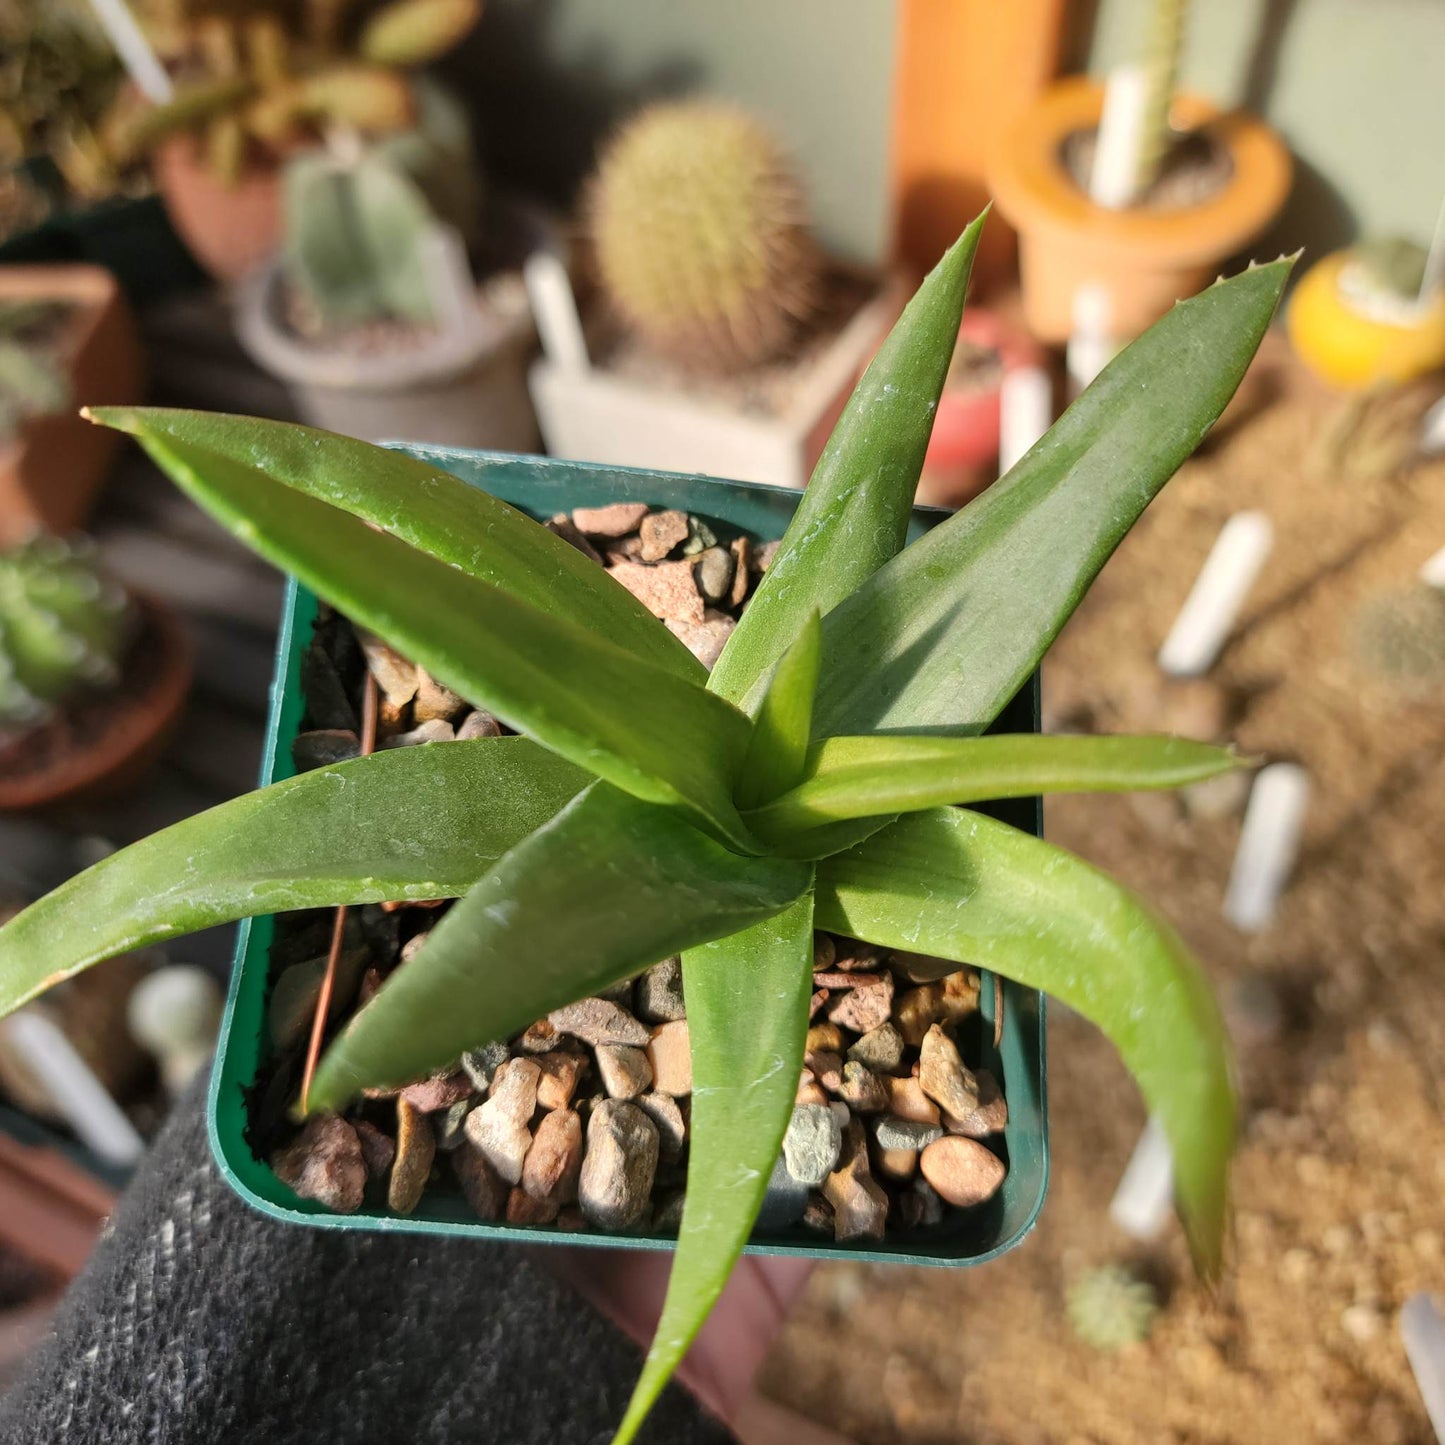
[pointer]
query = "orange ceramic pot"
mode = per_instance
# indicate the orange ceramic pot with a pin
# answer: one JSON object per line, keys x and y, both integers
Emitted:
{"x": 230, "y": 229}
{"x": 1143, "y": 259}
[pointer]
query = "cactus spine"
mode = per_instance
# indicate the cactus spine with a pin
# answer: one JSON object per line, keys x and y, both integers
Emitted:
{"x": 701, "y": 235}
{"x": 63, "y": 627}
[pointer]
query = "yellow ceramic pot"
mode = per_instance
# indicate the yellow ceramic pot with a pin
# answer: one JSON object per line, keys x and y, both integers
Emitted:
{"x": 1353, "y": 344}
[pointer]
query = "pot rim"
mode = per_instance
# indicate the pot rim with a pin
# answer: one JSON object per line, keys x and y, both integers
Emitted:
{"x": 445, "y": 356}
{"x": 1036, "y": 192}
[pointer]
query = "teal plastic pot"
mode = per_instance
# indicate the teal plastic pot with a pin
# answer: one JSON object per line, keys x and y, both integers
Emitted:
{"x": 543, "y": 488}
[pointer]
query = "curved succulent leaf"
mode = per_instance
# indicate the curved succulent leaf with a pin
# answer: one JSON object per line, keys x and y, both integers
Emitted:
{"x": 778, "y": 747}
{"x": 647, "y": 730}
{"x": 607, "y": 887}
{"x": 961, "y": 886}
{"x": 423, "y": 505}
{"x": 747, "y": 1009}
{"x": 410, "y": 823}
{"x": 942, "y": 636}
{"x": 854, "y": 514}
{"x": 889, "y": 773}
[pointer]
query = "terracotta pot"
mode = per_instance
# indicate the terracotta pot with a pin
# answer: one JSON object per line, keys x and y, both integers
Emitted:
{"x": 52, "y": 469}
{"x": 230, "y": 229}
{"x": 962, "y": 456}
{"x": 136, "y": 730}
{"x": 1143, "y": 259}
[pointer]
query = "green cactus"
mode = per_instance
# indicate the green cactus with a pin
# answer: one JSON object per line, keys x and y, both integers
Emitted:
{"x": 700, "y": 230}
{"x": 1163, "y": 49}
{"x": 33, "y": 382}
{"x": 1400, "y": 637}
{"x": 64, "y": 626}
{"x": 1112, "y": 1306}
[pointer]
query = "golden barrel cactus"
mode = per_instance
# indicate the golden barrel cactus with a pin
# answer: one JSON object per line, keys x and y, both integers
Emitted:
{"x": 700, "y": 230}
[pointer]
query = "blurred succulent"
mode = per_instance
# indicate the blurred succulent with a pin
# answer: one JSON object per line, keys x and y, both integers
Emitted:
{"x": 33, "y": 382}
{"x": 58, "y": 76}
{"x": 276, "y": 77}
{"x": 1111, "y": 1307}
{"x": 1400, "y": 637}
{"x": 64, "y": 627}
{"x": 358, "y": 225}
{"x": 1163, "y": 48}
{"x": 700, "y": 230}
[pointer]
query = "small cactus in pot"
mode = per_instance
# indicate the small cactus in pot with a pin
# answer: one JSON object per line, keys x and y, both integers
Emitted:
{"x": 64, "y": 628}
{"x": 700, "y": 231}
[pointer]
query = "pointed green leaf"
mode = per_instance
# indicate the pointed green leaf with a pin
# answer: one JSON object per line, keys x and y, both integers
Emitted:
{"x": 895, "y": 773}
{"x": 432, "y": 510}
{"x": 942, "y": 636}
{"x": 961, "y": 886}
{"x": 607, "y": 887}
{"x": 409, "y": 823}
{"x": 647, "y": 730}
{"x": 854, "y": 514}
{"x": 747, "y": 1013}
{"x": 778, "y": 748}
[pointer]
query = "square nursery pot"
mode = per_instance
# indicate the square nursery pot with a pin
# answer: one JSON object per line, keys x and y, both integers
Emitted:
{"x": 592, "y": 414}
{"x": 52, "y": 470}
{"x": 543, "y": 488}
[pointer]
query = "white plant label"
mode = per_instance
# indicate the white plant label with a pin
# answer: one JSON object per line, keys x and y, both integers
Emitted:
{"x": 1114, "y": 180}
{"x": 134, "y": 50}
{"x": 1214, "y": 602}
{"x": 1268, "y": 845}
{"x": 1144, "y": 1199}
{"x": 1423, "y": 1331}
{"x": 559, "y": 325}
{"x": 1026, "y": 411}
{"x": 1092, "y": 344}
{"x": 1432, "y": 574}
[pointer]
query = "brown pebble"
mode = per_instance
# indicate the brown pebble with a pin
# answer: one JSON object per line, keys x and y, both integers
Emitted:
{"x": 325, "y": 1163}
{"x": 525, "y": 1209}
{"x": 416, "y": 1147}
{"x": 499, "y": 1127}
{"x": 862, "y": 1090}
{"x": 660, "y": 532}
{"x": 619, "y": 1165}
{"x": 818, "y": 1214}
{"x": 478, "y": 724}
{"x": 564, "y": 527}
{"x": 484, "y": 1189}
{"x": 899, "y": 1164}
{"x": 558, "y": 1080}
{"x": 742, "y": 550}
{"x": 624, "y": 1070}
{"x": 434, "y": 700}
{"x": 667, "y": 589}
{"x": 960, "y": 997}
{"x": 763, "y": 555}
{"x": 825, "y": 950}
{"x": 810, "y": 1092}
{"x": 555, "y": 1159}
{"x": 860, "y": 1207}
{"x": 705, "y": 639}
{"x": 826, "y": 1066}
{"x": 395, "y": 676}
{"x": 963, "y": 1171}
{"x": 991, "y": 1115}
{"x": 600, "y": 1021}
{"x": 855, "y": 956}
{"x": 378, "y": 1148}
{"x": 943, "y": 1076}
{"x": 907, "y": 1100}
{"x": 867, "y": 1005}
{"x": 666, "y": 1113}
{"x": 539, "y": 1038}
{"x": 824, "y": 1036}
{"x": 616, "y": 519}
{"x": 439, "y": 1092}
{"x": 916, "y": 1010}
{"x": 669, "y": 1053}
{"x": 820, "y": 997}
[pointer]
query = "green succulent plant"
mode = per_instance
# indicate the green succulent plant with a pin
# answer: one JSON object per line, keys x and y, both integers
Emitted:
{"x": 1111, "y": 1307}
{"x": 33, "y": 381}
{"x": 279, "y": 75}
{"x": 63, "y": 627}
{"x": 818, "y": 777}
{"x": 700, "y": 231}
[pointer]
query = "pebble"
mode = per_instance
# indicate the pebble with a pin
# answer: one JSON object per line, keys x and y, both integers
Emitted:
{"x": 921, "y": 1205}
{"x": 943, "y": 1077}
{"x": 907, "y": 1100}
{"x": 539, "y": 1037}
{"x": 325, "y": 1163}
{"x": 785, "y": 1199}
{"x": 558, "y": 1080}
{"x": 481, "y": 1064}
{"x": 991, "y": 1115}
{"x": 764, "y": 553}
{"x": 435, "y": 700}
{"x": 826, "y": 1066}
{"x": 435, "y": 731}
{"x": 670, "y": 1055}
{"x": 498, "y": 1128}
{"x": 378, "y": 1148}
{"x": 880, "y": 1049}
{"x": 714, "y": 568}
{"x": 820, "y": 997}
{"x": 667, "y": 589}
{"x": 525, "y": 1209}
{"x": 891, "y": 1132}
{"x": 818, "y": 1214}
{"x": 554, "y": 1162}
{"x": 616, "y": 519}
{"x": 481, "y": 1185}
{"x": 742, "y": 552}
{"x": 705, "y": 639}
{"x": 619, "y": 1165}
{"x": 600, "y": 1021}
{"x": 899, "y": 1164}
{"x": 624, "y": 1070}
{"x": 824, "y": 1038}
{"x": 660, "y": 532}
{"x": 862, "y": 1090}
{"x": 963, "y": 1171}
{"x": 825, "y": 950}
{"x": 450, "y": 1125}
{"x": 865, "y": 1006}
{"x": 441, "y": 1091}
{"x": 916, "y": 1010}
{"x": 811, "y": 1144}
{"x": 1361, "y": 1322}
{"x": 860, "y": 1207}
{"x": 564, "y": 527}
{"x": 395, "y": 676}
{"x": 855, "y": 956}
{"x": 478, "y": 724}
{"x": 666, "y": 1113}
{"x": 415, "y": 1150}
{"x": 960, "y": 997}
{"x": 659, "y": 993}
{"x": 810, "y": 1091}
{"x": 321, "y": 747}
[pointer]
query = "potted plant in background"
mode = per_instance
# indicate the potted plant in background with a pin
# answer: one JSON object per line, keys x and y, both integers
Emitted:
{"x": 812, "y": 780}
{"x": 726, "y": 343}
{"x": 67, "y": 339}
{"x": 253, "y": 88}
{"x": 372, "y": 313}
{"x": 1194, "y": 186}
{"x": 91, "y": 679}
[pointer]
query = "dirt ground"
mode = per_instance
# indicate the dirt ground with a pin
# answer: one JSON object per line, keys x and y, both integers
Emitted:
{"x": 1340, "y": 1179}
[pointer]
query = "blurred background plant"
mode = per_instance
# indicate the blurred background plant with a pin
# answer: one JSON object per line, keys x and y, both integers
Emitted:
{"x": 33, "y": 380}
